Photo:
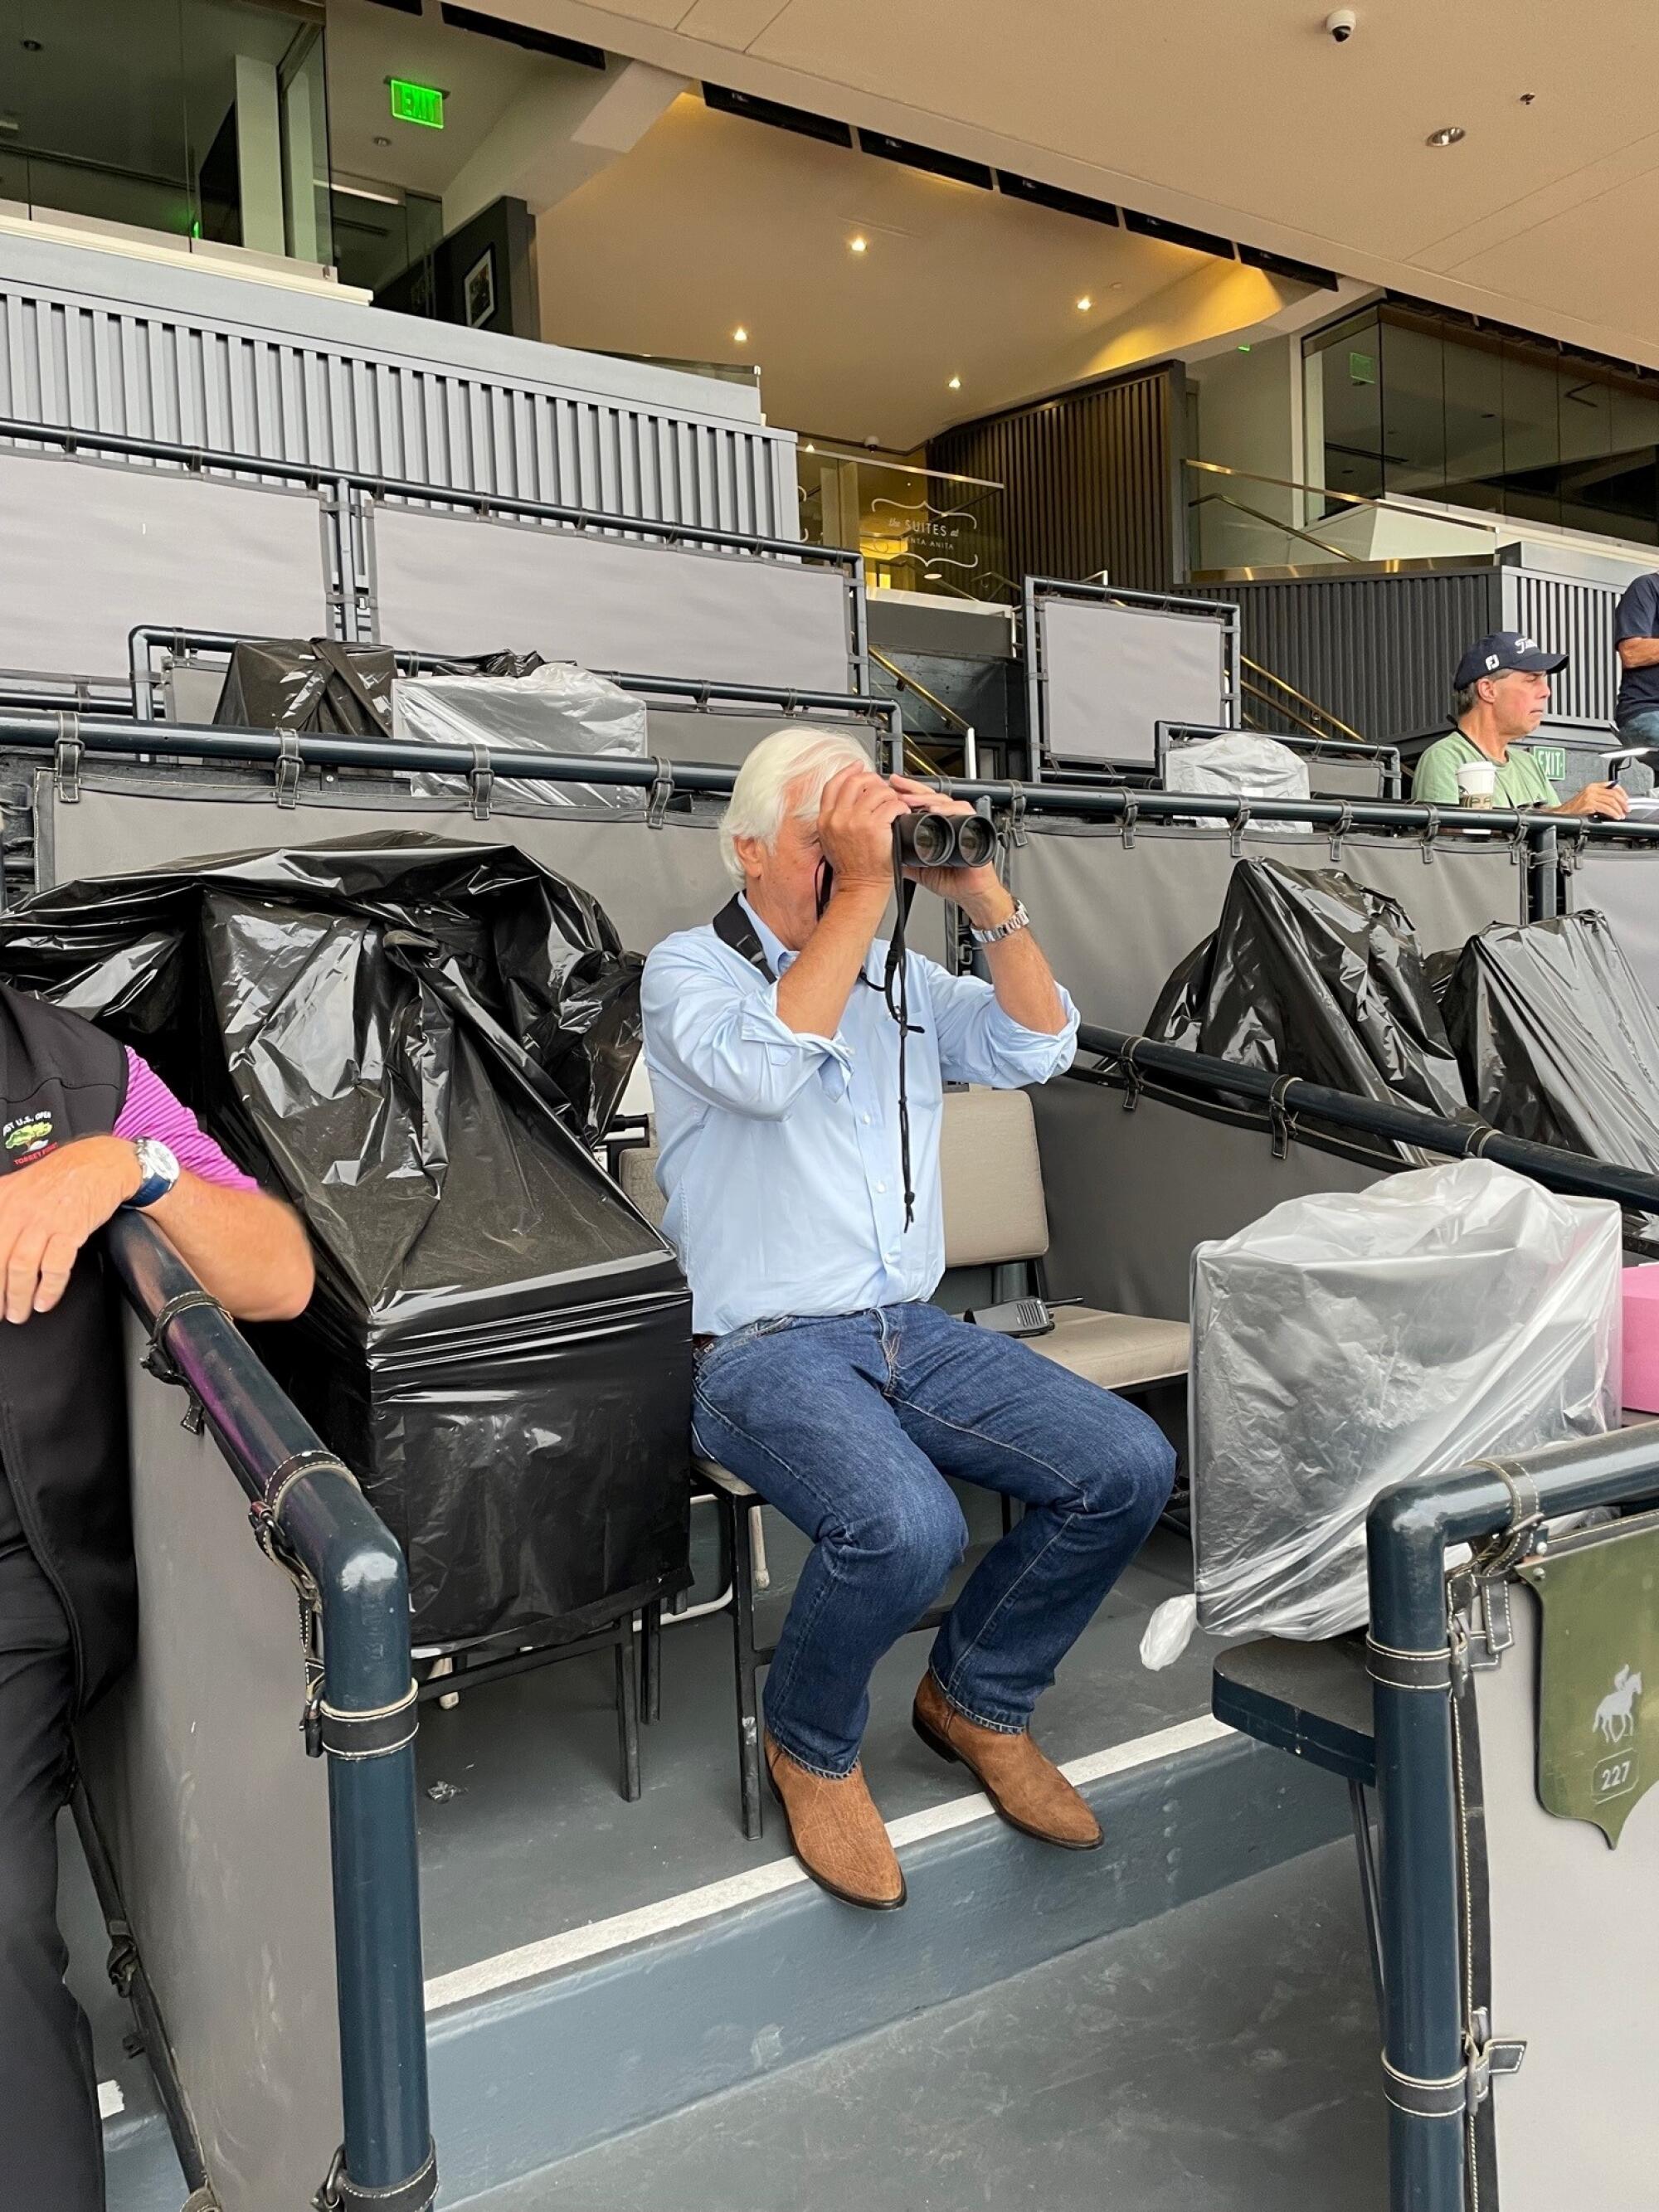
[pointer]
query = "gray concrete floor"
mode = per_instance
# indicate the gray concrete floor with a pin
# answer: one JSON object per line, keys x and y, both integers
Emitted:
{"x": 1222, "y": 2058}
{"x": 537, "y": 1839}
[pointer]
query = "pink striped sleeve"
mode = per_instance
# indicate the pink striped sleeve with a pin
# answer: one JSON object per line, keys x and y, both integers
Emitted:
{"x": 151, "y": 1110}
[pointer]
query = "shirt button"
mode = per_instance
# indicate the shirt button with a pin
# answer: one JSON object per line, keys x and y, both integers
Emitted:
{"x": 865, "y": 1118}
{"x": 882, "y": 1189}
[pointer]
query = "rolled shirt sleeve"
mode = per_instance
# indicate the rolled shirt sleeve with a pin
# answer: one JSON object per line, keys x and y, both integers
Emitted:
{"x": 724, "y": 1041}
{"x": 151, "y": 1109}
{"x": 979, "y": 1043}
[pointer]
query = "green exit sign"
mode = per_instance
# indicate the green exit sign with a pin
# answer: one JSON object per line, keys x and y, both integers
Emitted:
{"x": 417, "y": 103}
{"x": 1553, "y": 759}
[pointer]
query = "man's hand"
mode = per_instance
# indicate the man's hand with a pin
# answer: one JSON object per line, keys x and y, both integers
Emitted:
{"x": 856, "y": 816}
{"x": 1607, "y": 799}
{"x": 977, "y": 891}
{"x": 47, "y": 1211}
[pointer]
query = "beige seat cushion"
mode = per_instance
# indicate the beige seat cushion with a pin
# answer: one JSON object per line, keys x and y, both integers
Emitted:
{"x": 636, "y": 1173}
{"x": 1117, "y": 1350}
{"x": 991, "y": 1176}
{"x": 710, "y": 1470}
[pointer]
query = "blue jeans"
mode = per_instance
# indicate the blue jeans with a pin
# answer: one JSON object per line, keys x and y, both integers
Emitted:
{"x": 1641, "y": 728}
{"x": 850, "y": 1426}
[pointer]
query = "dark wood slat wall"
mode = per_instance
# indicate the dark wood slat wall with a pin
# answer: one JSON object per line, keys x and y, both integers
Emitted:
{"x": 1093, "y": 478}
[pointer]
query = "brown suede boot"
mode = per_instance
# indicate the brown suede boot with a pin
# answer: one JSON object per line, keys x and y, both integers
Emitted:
{"x": 1022, "y": 1782}
{"x": 836, "y": 1832}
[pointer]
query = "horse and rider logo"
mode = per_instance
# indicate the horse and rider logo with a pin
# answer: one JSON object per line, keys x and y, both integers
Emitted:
{"x": 1598, "y": 1742}
{"x": 1615, "y": 1717}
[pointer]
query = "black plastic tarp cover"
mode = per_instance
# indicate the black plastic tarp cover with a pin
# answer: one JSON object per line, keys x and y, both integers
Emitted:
{"x": 308, "y": 684}
{"x": 1311, "y": 974}
{"x": 413, "y": 1039}
{"x": 1558, "y": 1040}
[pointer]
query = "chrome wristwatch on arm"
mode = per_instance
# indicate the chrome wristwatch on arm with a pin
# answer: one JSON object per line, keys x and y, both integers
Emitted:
{"x": 1017, "y": 921}
{"x": 160, "y": 1168}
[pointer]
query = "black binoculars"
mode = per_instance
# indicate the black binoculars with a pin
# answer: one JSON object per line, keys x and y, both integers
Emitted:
{"x": 945, "y": 841}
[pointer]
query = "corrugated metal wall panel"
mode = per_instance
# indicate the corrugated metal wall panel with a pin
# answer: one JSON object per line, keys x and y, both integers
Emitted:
{"x": 1573, "y": 616}
{"x": 182, "y": 381}
{"x": 1091, "y": 479}
{"x": 1378, "y": 651}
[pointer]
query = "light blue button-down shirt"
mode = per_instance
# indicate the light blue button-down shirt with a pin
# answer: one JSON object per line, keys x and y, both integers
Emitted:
{"x": 779, "y": 1152}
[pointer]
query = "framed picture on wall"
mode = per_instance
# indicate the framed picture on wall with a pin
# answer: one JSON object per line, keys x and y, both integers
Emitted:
{"x": 478, "y": 290}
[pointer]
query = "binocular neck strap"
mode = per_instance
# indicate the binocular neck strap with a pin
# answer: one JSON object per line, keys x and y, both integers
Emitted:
{"x": 732, "y": 926}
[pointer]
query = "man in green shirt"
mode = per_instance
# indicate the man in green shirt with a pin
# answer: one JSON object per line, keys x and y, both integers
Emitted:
{"x": 1498, "y": 695}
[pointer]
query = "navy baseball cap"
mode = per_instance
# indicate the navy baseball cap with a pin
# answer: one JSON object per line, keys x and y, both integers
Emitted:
{"x": 1505, "y": 650}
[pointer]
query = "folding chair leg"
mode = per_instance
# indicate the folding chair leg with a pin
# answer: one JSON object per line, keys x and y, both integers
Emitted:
{"x": 651, "y": 1663}
{"x": 627, "y": 1708}
{"x": 735, "y": 1514}
{"x": 1368, "y": 1887}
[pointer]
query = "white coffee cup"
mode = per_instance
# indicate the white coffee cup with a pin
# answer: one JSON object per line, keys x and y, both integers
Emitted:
{"x": 1477, "y": 783}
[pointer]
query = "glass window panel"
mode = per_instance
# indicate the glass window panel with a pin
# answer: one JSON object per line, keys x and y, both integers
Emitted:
{"x": 1414, "y": 410}
{"x": 1532, "y": 437}
{"x": 1351, "y": 381}
{"x": 1474, "y": 426}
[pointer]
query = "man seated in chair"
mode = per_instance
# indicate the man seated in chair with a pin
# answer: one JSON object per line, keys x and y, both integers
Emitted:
{"x": 825, "y": 1379}
{"x": 87, "y": 1128}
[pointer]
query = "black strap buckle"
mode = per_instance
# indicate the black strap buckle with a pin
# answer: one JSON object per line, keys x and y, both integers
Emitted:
{"x": 1572, "y": 853}
{"x": 1520, "y": 844}
{"x": 1430, "y": 831}
{"x": 481, "y": 782}
{"x": 1133, "y": 1081}
{"x": 1241, "y": 822}
{"x": 662, "y": 790}
{"x": 67, "y": 757}
{"x": 287, "y": 768}
{"x": 1013, "y": 821}
{"x": 1130, "y": 815}
{"x": 1344, "y": 824}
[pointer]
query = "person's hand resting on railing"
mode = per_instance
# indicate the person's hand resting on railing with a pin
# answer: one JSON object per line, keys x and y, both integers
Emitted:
{"x": 1608, "y": 802}
{"x": 249, "y": 1251}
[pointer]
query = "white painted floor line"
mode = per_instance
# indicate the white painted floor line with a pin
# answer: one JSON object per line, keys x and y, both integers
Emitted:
{"x": 531, "y": 1961}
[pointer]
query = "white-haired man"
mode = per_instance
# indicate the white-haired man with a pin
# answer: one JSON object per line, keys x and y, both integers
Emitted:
{"x": 824, "y": 1377}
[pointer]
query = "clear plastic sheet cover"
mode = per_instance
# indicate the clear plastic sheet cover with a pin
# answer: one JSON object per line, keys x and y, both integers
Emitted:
{"x": 1311, "y": 974}
{"x": 553, "y": 708}
{"x": 1238, "y": 764}
{"x": 1348, "y": 1342}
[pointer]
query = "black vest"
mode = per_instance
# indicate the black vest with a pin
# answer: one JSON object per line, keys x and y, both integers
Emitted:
{"x": 63, "y": 1389}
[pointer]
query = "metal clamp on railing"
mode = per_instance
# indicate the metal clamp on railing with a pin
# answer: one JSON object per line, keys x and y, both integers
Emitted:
{"x": 1571, "y": 845}
{"x": 1241, "y": 823}
{"x": 1131, "y": 816}
{"x": 340, "y": 2193}
{"x": 1133, "y": 1081}
{"x": 67, "y": 757}
{"x": 1012, "y": 824}
{"x": 662, "y": 790}
{"x": 159, "y": 1362}
{"x": 1343, "y": 825}
{"x": 1430, "y": 831}
{"x": 1480, "y": 1592}
{"x": 481, "y": 783}
{"x": 1280, "y": 1119}
{"x": 287, "y": 768}
{"x": 1520, "y": 844}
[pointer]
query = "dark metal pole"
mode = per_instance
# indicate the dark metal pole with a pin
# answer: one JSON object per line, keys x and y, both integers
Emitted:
{"x": 1407, "y": 1531}
{"x": 1546, "y": 872}
{"x": 1575, "y": 1173}
{"x": 319, "y": 1516}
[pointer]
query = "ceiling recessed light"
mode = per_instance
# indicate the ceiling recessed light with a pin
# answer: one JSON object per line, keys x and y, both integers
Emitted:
{"x": 859, "y": 245}
{"x": 382, "y": 141}
{"x": 1084, "y": 304}
{"x": 932, "y": 576}
{"x": 740, "y": 337}
{"x": 955, "y": 384}
{"x": 30, "y": 45}
{"x": 1449, "y": 137}
{"x": 810, "y": 448}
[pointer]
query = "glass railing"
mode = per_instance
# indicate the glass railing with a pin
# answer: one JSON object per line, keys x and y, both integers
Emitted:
{"x": 918, "y": 529}
{"x": 1240, "y": 524}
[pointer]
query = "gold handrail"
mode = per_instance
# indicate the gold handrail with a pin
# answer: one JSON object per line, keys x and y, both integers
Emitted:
{"x": 908, "y": 682}
{"x": 1422, "y": 513}
{"x": 1301, "y": 698}
{"x": 1220, "y": 498}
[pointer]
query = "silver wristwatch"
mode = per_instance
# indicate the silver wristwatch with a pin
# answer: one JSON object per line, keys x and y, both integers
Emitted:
{"x": 1017, "y": 920}
{"x": 159, "y": 1166}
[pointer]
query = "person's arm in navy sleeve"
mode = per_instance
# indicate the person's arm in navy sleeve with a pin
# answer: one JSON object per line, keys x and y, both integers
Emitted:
{"x": 1635, "y": 622}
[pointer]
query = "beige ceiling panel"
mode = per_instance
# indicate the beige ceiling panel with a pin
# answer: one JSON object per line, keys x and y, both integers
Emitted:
{"x": 1586, "y": 261}
{"x": 1248, "y": 103}
{"x": 731, "y": 23}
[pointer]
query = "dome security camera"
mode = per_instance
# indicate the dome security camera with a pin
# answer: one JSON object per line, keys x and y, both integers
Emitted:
{"x": 1341, "y": 23}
